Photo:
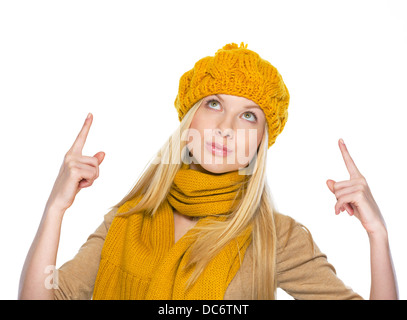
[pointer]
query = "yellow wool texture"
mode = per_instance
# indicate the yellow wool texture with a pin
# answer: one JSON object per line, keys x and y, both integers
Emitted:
{"x": 241, "y": 72}
{"x": 140, "y": 259}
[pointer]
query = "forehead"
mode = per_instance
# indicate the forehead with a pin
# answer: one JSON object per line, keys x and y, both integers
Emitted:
{"x": 234, "y": 99}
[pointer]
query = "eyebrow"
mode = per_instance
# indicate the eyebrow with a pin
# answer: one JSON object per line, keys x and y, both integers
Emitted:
{"x": 247, "y": 107}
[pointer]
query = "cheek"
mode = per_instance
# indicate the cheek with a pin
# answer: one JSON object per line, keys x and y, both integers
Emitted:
{"x": 260, "y": 134}
{"x": 196, "y": 134}
{"x": 250, "y": 139}
{"x": 201, "y": 124}
{"x": 251, "y": 147}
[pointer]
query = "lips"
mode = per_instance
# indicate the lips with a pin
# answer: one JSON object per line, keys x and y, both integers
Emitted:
{"x": 219, "y": 147}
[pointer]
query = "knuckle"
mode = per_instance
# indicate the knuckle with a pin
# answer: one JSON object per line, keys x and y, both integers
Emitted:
{"x": 360, "y": 194}
{"x": 360, "y": 188}
{"x": 71, "y": 165}
{"x": 71, "y": 161}
{"x": 67, "y": 158}
{"x": 74, "y": 171}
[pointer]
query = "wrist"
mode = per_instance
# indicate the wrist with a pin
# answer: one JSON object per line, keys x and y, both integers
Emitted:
{"x": 52, "y": 209}
{"x": 378, "y": 234}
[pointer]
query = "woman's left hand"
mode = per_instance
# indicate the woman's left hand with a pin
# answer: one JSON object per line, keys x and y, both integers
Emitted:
{"x": 355, "y": 197}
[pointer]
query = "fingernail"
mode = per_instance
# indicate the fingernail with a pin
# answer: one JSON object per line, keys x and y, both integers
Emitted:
{"x": 342, "y": 141}
{"x": 88, "y": 116}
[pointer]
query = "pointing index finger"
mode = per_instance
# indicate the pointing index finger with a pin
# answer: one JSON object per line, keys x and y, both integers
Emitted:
{"x": 80, "y": 140}
{"x": 350, "y": 164}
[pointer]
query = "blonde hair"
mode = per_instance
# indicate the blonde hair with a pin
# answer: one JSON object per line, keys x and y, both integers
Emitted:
{"x": 255, "y": 207}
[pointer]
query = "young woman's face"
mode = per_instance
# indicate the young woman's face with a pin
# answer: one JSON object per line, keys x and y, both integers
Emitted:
{"x": 235, "y": 124}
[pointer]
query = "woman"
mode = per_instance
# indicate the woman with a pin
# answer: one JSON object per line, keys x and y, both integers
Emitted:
{"x": 200, "y": 222}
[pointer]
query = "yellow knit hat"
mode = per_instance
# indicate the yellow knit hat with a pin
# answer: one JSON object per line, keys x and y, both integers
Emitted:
{"x": 241, "y": 72}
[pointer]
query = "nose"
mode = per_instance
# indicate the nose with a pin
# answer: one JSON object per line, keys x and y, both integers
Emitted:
{"x": 224, "y": 128}
{"x": 228, "y": 132}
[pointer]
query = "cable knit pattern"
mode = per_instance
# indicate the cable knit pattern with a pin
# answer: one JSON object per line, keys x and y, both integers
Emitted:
{"x": 237, "y": 71}
{"x": 139, "y": 259}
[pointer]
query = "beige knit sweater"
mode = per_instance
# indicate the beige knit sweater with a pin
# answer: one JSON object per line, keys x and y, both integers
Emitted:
{"x": 302, "y": 269}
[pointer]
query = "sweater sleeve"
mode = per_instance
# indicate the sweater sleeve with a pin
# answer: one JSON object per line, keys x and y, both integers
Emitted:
{"x": 303, "y": 271}
{"x": 76, "y": 278}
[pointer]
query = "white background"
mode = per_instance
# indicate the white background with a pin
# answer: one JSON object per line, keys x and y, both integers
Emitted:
{"x": 344, "y": 63}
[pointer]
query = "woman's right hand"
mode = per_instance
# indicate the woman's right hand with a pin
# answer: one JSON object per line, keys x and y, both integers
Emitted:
{"x": 76, "y": 172}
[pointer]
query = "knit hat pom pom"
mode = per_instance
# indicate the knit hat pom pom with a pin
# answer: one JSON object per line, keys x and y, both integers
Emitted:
{"x": 232, "y": 45}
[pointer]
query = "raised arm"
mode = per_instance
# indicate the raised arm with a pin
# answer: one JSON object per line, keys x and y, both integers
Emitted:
{"x": 354, "y": 196}
{"x": 76, "y": 172}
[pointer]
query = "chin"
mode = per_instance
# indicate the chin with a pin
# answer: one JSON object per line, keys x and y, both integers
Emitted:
{"x": 219, "y": 168}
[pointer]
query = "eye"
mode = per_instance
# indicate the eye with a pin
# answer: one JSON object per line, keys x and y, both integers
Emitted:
{"x": 248, "y": 117}
{"x": 212, "y": 103}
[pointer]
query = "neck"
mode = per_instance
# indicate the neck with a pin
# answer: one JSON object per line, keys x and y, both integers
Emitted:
{"x": 198, "y": 167}
{"x": 180, "y": 215}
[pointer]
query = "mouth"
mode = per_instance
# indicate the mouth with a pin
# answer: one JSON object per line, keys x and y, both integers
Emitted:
{"x": 218, "y": 149}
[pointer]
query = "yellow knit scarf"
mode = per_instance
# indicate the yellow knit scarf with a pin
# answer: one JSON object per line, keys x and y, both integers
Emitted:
{"x": 139, "y": 258}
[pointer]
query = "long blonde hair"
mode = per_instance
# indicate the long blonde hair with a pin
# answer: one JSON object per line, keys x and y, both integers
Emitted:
{"x": 256, "y": 207}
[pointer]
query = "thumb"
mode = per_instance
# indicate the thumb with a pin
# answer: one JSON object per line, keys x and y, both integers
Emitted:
{"x": 330, "y": 183}
{"x": 100, "y": 156}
